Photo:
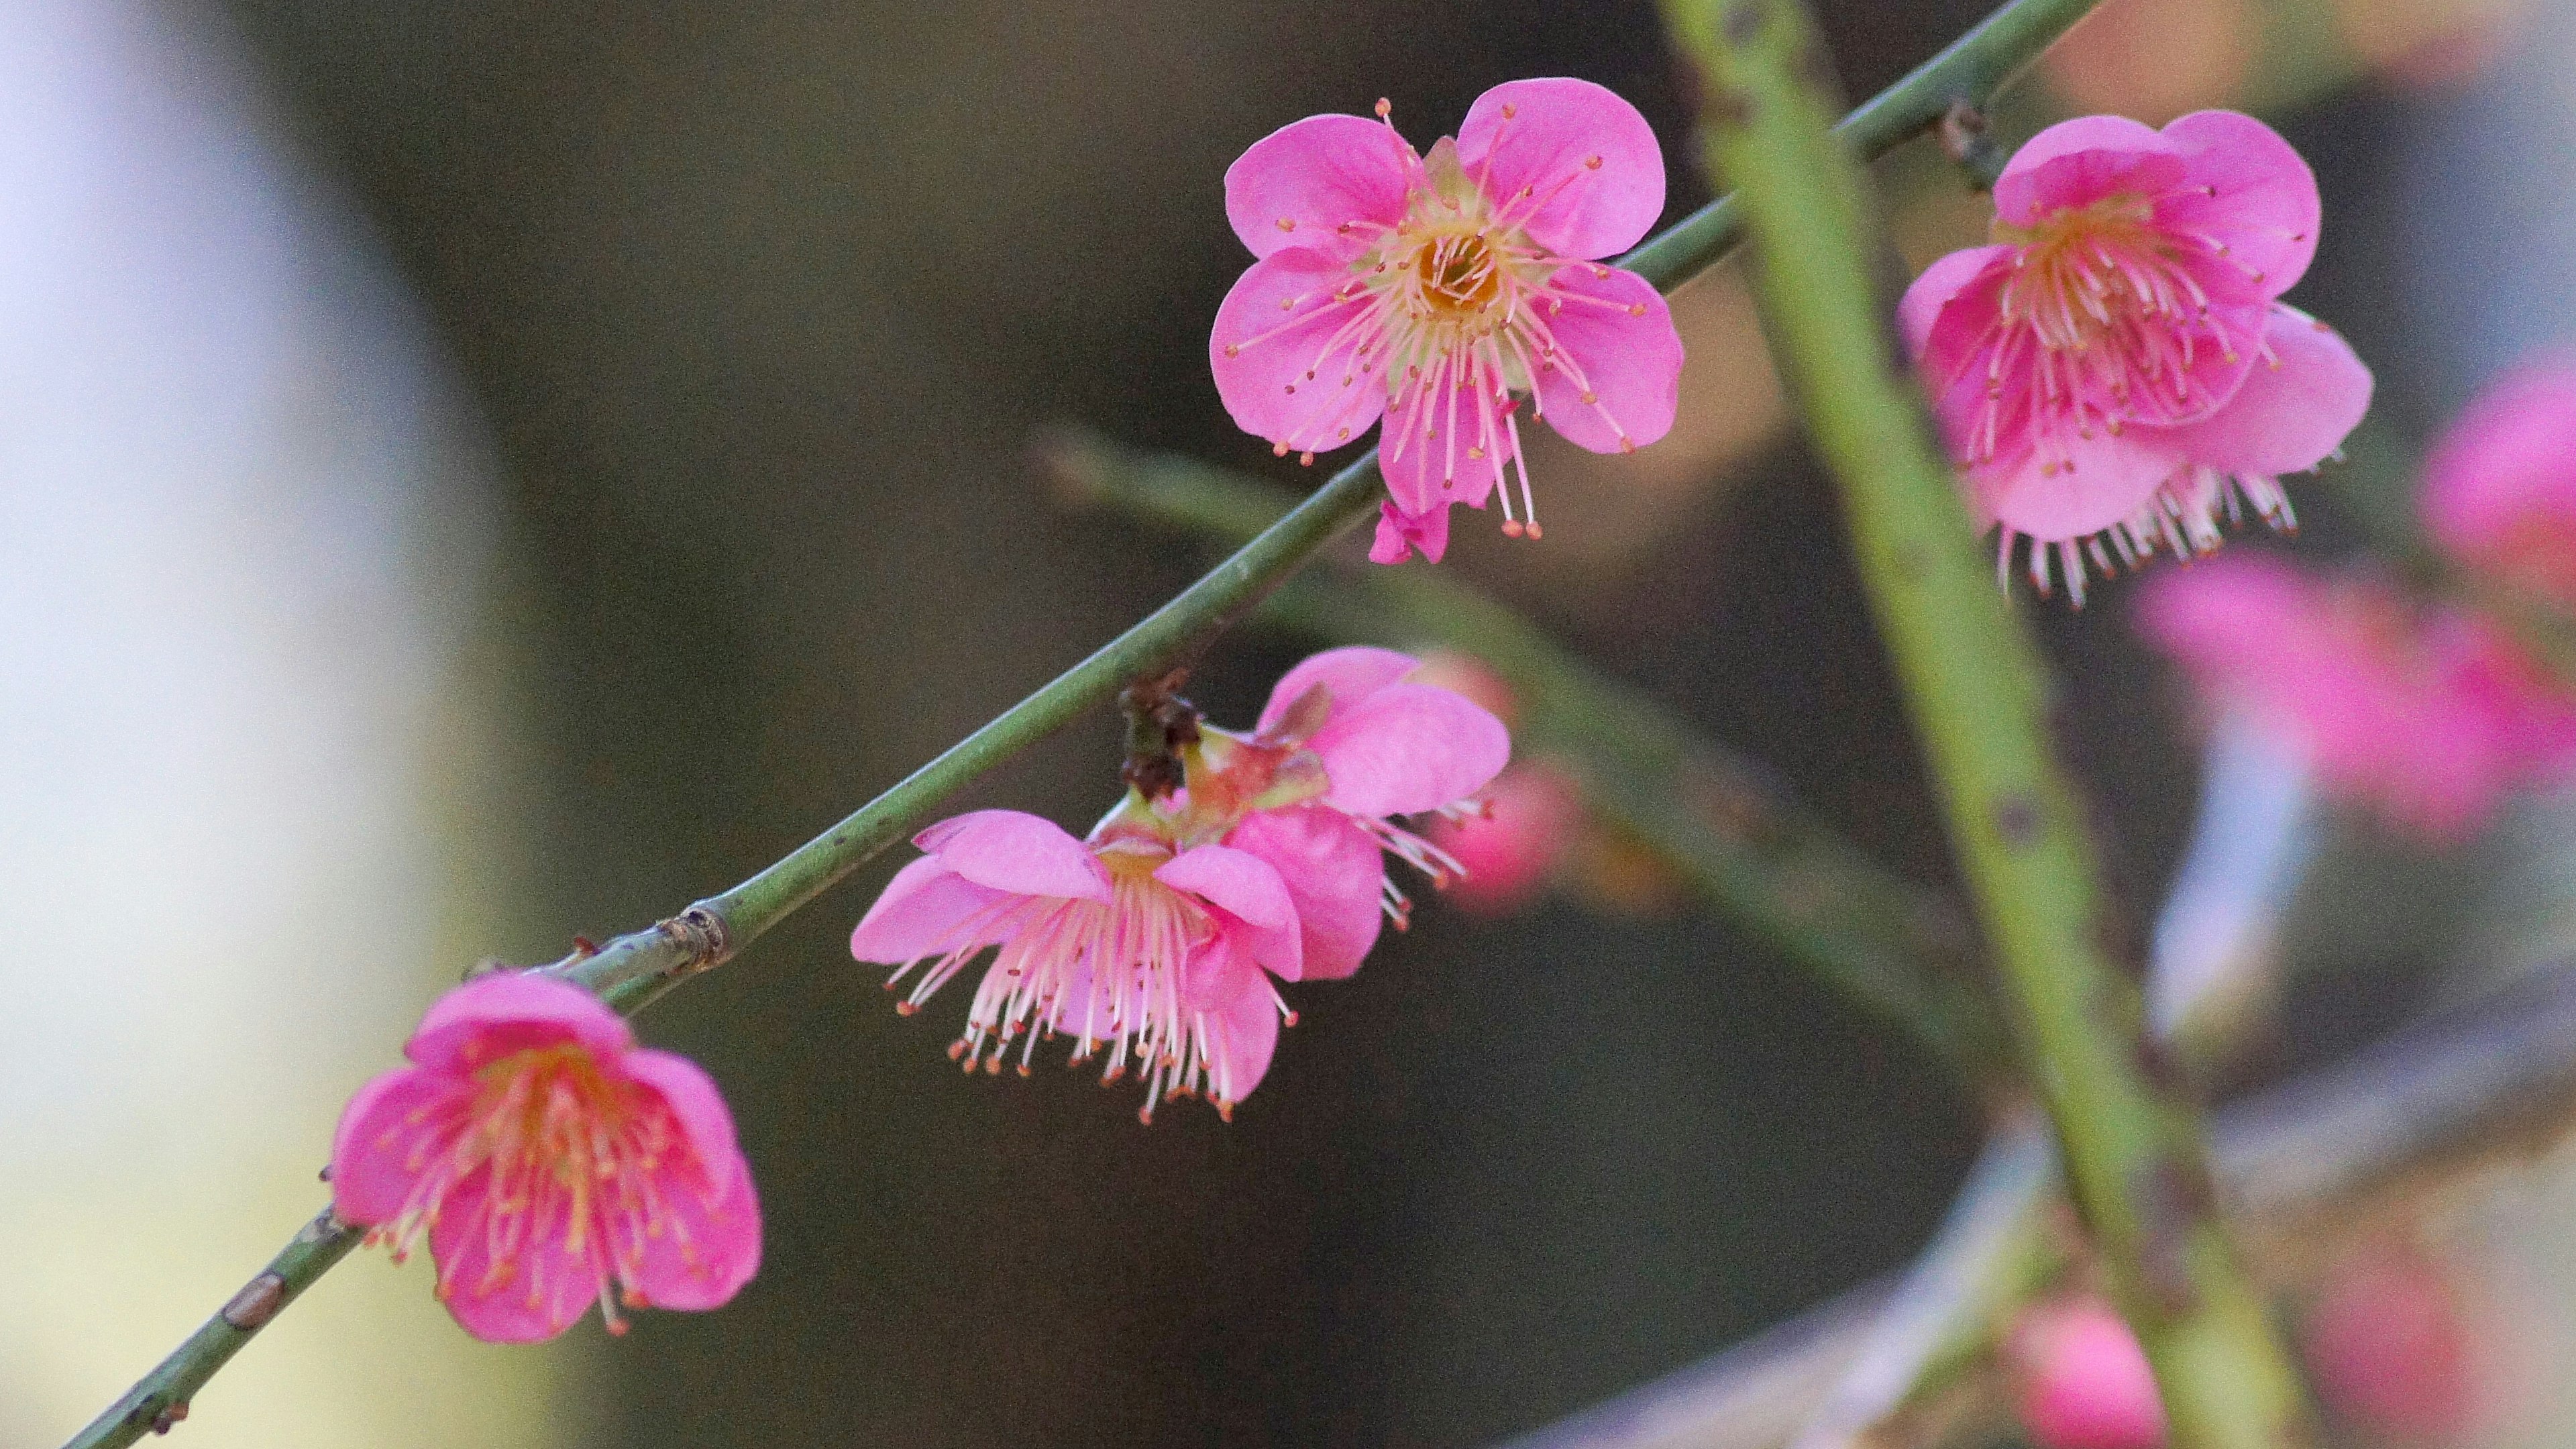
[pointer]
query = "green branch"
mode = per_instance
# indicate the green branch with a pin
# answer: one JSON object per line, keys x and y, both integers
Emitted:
{"x": 1898, "y": 950}
{"x": 1977, "y": 694}
{"x": 635, "y": 969}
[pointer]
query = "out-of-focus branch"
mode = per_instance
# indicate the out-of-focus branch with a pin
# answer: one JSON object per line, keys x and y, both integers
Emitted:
{"x": 1975, "y": 689}
{"x": 1988, "y": 1254}
{"x": 2427, "y": 1108}
{"x": 1901, "y": 951}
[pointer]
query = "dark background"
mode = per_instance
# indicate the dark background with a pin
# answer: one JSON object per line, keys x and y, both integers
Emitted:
{"x": 761, "y": 301}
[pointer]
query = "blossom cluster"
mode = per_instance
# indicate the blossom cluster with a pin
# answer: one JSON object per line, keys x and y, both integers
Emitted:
{"x": 2114, "y": 373}
{"x": 2429, "y": 710}
{"x": 1154, "y": 941}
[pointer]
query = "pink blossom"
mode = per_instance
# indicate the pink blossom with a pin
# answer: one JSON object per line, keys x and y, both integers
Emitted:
{"x": 1346, "y": 744}
{"x": 1130, "y": 940}
{"x": 1508, "y": 848}
{"x": 1431, "y": 290}
{"x": 2430, "y": 714}
{"x": 548, "y": 1157}
{"x": 2392, "y": 1347}
{"x": 2117, "y": 366}
{"x": 2082, "y": 1380}
{"x": 2500, "y": 489}
{"x": 1158, "y": 935}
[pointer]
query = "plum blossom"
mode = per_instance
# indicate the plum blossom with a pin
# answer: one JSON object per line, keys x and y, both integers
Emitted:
{"x": 547, "y": 1158}
{"x": 1437, "y": 291}
{"x": 1159, "y": 935}
{"x": 2082, "y": 1381}
{"x": 2500, "y": 488}
{"x": 1526, "y": 822}
{"x": 2429, "y": 713}
{"x": 2394, "y": 1346}
{"x": 1130, "y": 940}
{"x": 1347, "y": 743}
{"x": 2116, "y": 367}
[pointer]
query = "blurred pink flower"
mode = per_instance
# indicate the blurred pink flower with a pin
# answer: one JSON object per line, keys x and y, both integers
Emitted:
{"x": 548, "y": 1157}
{"x": 2082, "y": 1381}
{"x": 2118, "y": 358}
{"x": 2392, "y": 1348}
{"x": 1509, "y": 848}
{"x": 2500, "y": 488}
{"x": 1431, "y": 289}
{"x": 2431, "y": 715}
{"x": 1129, "y": 939}
{"x": 1465, "y": 674}
{"x": 1380, "y": 747}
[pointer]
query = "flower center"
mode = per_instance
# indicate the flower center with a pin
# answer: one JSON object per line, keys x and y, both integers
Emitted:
{"x": 1115, "y": 975}
{"x": 2104, "y": 321}
{"x": 1461, "y": 276}
{"x": 568, "y": 1150}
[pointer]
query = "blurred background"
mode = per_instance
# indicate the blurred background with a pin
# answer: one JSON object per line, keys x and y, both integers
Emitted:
{"x": 480, "y": 472}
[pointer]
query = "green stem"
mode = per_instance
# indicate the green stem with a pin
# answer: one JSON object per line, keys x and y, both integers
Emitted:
{"x": 633, "y": 970}
{"x": 1977, "y": 695}
{"x": 1900, "y": 951}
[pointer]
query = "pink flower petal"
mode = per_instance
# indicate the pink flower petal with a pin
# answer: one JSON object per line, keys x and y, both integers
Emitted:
{"x": 1571, "y": 161}
{"x": 2112, "y": 477}
{"x": 2508, "y": 461}
{"x": 1409, "y": 748}
{"x": 1287, "y": 318}
{"x": 929, "y": 910}
{"x": 708, "y": 1246}
{"x": 1434, "y": 433}
{"x": 510, "y": 1279}
{"x": 1616, "y": 345}
{"x": 1352, "y": 673}
{"x": 1400, "y": 533}
{"x": 1335, "y": 878}
{"x": 2248, "y": 189}
{"x": 1939, "y": 283}
{"x": 508, "y": 1011}
{"x": 700, "y": 1109}
{"x": 1246, "y": 887}
{"x": 388, "y": 1133}
{"x": 2287, "y": 417}
{"x": 2078, "y": 162}
{"x": 1301, "y": 184}
{"x": 1246, "y": 1033}
{"x": 1009, "y": 850}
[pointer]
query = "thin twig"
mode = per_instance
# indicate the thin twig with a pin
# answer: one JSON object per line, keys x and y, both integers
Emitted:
{"x": 635, "y": 969}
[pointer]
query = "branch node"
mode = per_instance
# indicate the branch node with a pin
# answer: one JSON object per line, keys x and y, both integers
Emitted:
{"x": 1965, "y": 139}
{"x": 704, "y": 939}
{"x": 162, "y": 1421}
{"x": 257, "y": 1303}
{"x": 1159, "y": 724}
